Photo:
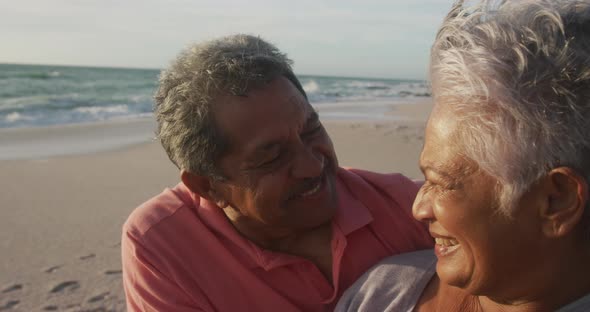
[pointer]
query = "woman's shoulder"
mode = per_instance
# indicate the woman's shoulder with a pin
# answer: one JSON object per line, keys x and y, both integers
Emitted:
{"x": 394, "y": 284}
{"x": 581, "y": 304}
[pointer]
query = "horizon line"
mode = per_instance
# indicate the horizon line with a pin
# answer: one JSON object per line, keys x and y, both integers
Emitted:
{"x": 159, "y": 69}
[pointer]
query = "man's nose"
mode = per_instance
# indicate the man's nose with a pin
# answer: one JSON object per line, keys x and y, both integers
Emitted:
{"x": 422, "y": 208}
{"x": 308, "y": 163}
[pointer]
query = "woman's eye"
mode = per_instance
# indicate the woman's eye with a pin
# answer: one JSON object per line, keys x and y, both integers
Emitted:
{"x": 429, "y": 186}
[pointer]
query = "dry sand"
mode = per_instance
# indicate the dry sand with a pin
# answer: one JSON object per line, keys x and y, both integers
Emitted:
{"x": 61, "y": 216}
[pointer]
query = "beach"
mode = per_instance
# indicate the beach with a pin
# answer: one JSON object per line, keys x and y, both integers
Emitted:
{"x": 66, "y": 190}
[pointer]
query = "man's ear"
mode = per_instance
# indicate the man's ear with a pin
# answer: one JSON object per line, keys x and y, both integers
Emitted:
{"x": 202, "y": 186}
{"x": 566, "y": 199}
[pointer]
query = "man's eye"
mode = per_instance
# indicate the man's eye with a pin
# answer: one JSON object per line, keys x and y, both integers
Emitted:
{"x": 270, "y": 161}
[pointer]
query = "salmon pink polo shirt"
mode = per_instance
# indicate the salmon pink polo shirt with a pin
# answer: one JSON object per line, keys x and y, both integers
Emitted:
{"x": 181, "y": 253}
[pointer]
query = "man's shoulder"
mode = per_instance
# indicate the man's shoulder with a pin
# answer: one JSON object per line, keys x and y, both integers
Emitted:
{"x": 157, "y": 209}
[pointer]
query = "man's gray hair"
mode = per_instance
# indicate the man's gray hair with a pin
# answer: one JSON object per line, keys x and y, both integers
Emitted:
{"x": 516, "y": 75}
{"x": 188, "y": 89}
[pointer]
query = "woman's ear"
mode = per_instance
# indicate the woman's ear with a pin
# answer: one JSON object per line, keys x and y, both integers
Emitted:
{"x": 567, "y": 196}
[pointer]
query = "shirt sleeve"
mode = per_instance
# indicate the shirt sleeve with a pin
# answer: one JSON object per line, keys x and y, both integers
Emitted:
{"x": 146, "y": 288}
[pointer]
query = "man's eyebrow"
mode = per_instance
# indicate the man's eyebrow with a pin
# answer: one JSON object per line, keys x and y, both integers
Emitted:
{"x": 264, "y": 147}
{"x": 312, "y": 118}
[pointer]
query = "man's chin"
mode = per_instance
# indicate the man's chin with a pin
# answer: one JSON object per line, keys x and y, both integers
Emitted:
{"x": 311, "y": 215}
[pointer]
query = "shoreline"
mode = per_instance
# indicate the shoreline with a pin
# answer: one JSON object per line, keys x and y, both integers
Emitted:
{"x": 73, "y": 139}
{"x": 103, "y": 136}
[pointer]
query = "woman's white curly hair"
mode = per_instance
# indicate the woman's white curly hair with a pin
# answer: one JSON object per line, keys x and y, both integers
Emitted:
{"x": 516, "y": 75}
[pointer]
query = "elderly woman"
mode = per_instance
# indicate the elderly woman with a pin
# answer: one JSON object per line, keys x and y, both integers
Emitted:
{"x": 507, "y": 165}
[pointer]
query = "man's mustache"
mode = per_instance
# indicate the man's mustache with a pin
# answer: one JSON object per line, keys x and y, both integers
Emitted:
{"x": 307, "y": 184}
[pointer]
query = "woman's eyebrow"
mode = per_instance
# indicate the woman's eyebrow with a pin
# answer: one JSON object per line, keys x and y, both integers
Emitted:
{"x": 439, "y": 170}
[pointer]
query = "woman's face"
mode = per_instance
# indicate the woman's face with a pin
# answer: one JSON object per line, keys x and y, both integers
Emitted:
{"x": 478, "y": 249}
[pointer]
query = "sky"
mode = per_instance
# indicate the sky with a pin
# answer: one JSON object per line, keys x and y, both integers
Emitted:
{"x": 381, "y": 38}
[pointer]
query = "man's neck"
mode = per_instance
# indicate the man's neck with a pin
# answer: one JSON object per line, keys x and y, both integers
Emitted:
{"x": 313, "y": 244}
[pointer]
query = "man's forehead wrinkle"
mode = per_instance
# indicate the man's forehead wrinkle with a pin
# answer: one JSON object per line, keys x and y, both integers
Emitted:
{"x": 265, "y": 146}
{"x": 296, "y": 102}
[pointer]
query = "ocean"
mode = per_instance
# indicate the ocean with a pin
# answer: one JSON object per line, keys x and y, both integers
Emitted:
{"x": 44, "y": 95}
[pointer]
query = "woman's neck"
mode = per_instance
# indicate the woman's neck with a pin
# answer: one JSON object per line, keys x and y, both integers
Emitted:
{"x": 556, "y": 284}
{"x": 551, "y": 283}
{"x": 567, "y": 288}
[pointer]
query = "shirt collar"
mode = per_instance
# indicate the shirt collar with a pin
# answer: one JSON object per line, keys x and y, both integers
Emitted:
{"x": 351, "y": 215}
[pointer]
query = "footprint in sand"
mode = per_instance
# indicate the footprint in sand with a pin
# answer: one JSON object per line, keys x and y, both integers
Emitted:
{"x": 65, "y": 286}
{"x": 52, "y": 269}
{"x": 9, "y": 305}
{"x": 99, "y": 297}
{"x": 88, "y": 256}
{"x": 72, "y": 306}
{"x": 113, "y": 272}
{"x": 12, "y": 288}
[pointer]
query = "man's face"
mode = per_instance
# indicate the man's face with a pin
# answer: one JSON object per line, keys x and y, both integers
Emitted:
{"x": 280, "y": 168}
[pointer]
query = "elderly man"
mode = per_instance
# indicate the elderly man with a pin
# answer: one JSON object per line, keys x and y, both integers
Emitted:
{"x": 264, "y": 219}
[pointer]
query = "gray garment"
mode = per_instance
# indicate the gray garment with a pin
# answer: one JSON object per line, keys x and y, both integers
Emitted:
{"x": 582, "y": 304}
{"x": 396, "y": 284}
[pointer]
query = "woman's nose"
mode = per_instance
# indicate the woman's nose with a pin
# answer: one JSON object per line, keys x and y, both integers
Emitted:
{"x": 422, "y": 208}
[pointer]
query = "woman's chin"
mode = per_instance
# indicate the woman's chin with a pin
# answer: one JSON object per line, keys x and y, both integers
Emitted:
{"x": 452, "y": 268}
